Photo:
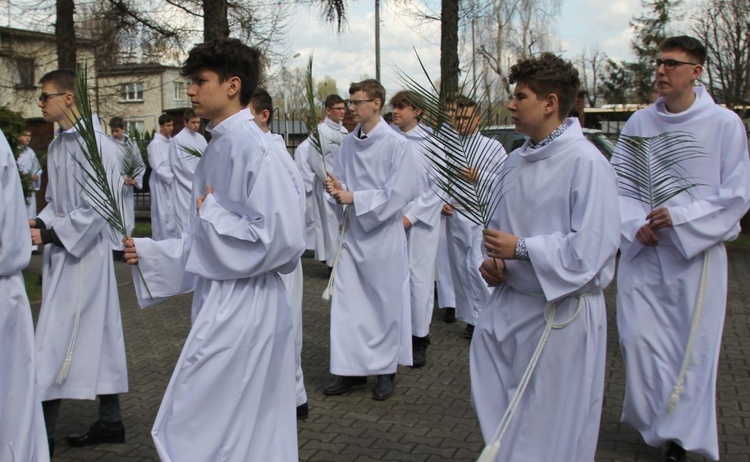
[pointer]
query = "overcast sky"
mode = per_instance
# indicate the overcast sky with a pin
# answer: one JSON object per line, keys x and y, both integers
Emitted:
{"x": 349, "y": 56}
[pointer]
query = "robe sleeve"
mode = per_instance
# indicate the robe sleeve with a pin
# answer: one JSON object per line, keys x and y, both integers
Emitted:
{"x": 36, "y": 170}
{"x": 565, "y": 262}
{"x": 375, "y": 206}
{"x": 707, "y": 221}
{"x": 15, "y": 243}
{"x": 426, "y": 207}
{"x": 267, "y": 237}
{"x": 300, "y": 160}
{"x": 139, "y": 178}
{"x": 163, "y": 266}
{"x": 315, "y": 162}
{"x": 159, "y": 163}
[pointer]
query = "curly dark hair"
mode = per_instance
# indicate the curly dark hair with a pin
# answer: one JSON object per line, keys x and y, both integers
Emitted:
{"x": 227, "y": 57}
{"x": 548, "y": 74}
{"x": 691, "y": 46}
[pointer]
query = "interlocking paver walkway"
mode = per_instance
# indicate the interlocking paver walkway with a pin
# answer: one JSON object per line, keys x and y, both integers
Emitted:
{"x": 430, "y": 417}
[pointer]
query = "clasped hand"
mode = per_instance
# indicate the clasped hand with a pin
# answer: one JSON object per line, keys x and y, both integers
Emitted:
{"x": 657, "y": 219}
{"x": 337, "y": 191}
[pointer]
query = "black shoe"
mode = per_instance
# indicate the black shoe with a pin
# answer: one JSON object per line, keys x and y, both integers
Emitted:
{"x": 100, "y": 432}
{"x": 419, "y": 350}
{"x": 303, "y": 411}
{"x": 450, "y": 315}
{"x": 675, "y": 453}
{"x": 384, "y": 387}
{"x": 469, "y": 331}
{"x": 344, "y": 383}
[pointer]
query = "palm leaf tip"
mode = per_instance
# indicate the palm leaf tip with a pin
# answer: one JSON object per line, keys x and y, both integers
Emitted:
{"x": 195, "y": 152}
{"x": 652, "y": 170}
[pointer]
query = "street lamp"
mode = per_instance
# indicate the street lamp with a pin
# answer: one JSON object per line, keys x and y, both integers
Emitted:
{"x": 286, "y": 106}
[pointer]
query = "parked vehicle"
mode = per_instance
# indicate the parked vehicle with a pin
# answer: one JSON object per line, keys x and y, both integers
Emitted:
{"x": 511, "y": 139}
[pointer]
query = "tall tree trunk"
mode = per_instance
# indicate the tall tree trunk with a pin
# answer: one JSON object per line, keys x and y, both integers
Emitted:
{"x": 215, "y": 19}
{"x": 65, "y": 34}
{"x": 448, "y": 48}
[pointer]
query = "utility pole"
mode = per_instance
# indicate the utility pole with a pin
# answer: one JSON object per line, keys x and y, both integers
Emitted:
{"x": 377, "y": 40}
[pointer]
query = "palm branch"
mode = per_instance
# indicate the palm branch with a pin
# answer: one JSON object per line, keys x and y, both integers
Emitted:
{"x": 195, "y": 152}
{"x": 652, "y": 167}
{"x": 100, "y": 180}
{"x": 461, "y": 167}
{"x": 131, "y": 160}
{"x": 311, "y": 121}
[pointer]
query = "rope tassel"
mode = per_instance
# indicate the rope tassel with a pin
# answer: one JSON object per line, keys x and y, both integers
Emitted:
{"x": 491, "y": 451}
{"x": 679, "y": 387}
{"x": 329, "y": 288}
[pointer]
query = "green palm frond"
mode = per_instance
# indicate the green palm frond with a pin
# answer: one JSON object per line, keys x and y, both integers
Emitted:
{"x": 312, "y": 117}
{"x": 101, "y": 179}
{"x": 195, "y": 152}
{"x": 461, "y": 167}
{"x": 131, "y": 160}
{"x": 651, "y": 169}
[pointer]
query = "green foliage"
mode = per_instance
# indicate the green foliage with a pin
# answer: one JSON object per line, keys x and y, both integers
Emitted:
{"x": 191, "y": 151}
{"x": 632, "y": 81}
{"x": 13, "y": 125}
{"x": 651, "y": 169}
{"x": 131, "y": 160}
{"x": 27, "y": 184}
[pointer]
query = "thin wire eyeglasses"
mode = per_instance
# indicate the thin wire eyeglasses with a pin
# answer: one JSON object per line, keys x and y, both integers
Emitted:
{"x": 357, "y": 102}
{"x": 45, "y": 96}
{"x": 670, "y": 64}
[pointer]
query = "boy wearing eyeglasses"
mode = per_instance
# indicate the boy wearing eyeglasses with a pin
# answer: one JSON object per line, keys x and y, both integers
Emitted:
{"x": 672, "y": 274}
{"x": 79, "y": 340}
{"x": 375, "y": 177}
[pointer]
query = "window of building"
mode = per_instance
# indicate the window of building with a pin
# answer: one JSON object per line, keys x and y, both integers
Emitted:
{"x": 131, "y": 92}
{"x": 179, "y": 91}
{"x": 24, "y": 76}
{"x": 132, "y": 126}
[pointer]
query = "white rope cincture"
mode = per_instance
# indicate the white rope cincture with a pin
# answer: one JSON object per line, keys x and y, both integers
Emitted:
{"x": 329, "y": 288}
{"x": 490, "y": 452}
{"x": 676, "y": 394}
{"x": 65, "y": 368}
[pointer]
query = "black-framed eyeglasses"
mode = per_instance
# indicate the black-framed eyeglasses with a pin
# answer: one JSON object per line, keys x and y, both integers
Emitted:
{"x": 357, "y": 102}
{"x": 45, "y": 96}
{"x": 670, "y": 64}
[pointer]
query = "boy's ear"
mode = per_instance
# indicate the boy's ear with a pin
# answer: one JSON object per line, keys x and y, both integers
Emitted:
{"x": 265, "y": 115}
{"x": 552, "y": 104}
{"x": 234, "y": 87}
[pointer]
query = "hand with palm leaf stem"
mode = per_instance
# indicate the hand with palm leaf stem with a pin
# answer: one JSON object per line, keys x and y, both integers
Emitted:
{"x": 337, "y": 191}
{"x": 657, "y": 219}
{"x": 500, "y": 246}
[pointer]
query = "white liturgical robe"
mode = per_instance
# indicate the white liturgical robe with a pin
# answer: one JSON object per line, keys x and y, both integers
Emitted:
{"x": 232, "y": 391}
{"x": 423, "y": 235}
{"x": 658, "y": 287}
{"x": 22, "y": 434}
{"x": 79, "y": 321}
{"x": 127, "y": 146}
{"x": 28, "y": 162}
{"x": 312, "y": 212}
{"x": 562, "y": 198}
{"x": 370, "y": 314}
{"x": 331, "y": 137}
{"x": 161, "y": 183}
{"x": 183, "y": 166}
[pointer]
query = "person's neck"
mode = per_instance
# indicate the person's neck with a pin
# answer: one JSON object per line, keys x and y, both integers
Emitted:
{"x": 369, "y": 124}
{"x": 228, "y": 111}
{"x": 164, "y": 134}
{"x": 680, "y": 103}
{"x": 543, "y": 131}
{"x": 409, "y": 127}
{"x": 69, "y": 118}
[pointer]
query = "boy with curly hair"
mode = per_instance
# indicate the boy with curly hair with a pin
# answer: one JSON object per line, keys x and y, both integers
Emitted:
{"x": 551, "y": 246}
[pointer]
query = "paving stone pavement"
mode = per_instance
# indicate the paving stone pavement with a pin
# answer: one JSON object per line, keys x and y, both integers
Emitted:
{"x": 429, "y": 418}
